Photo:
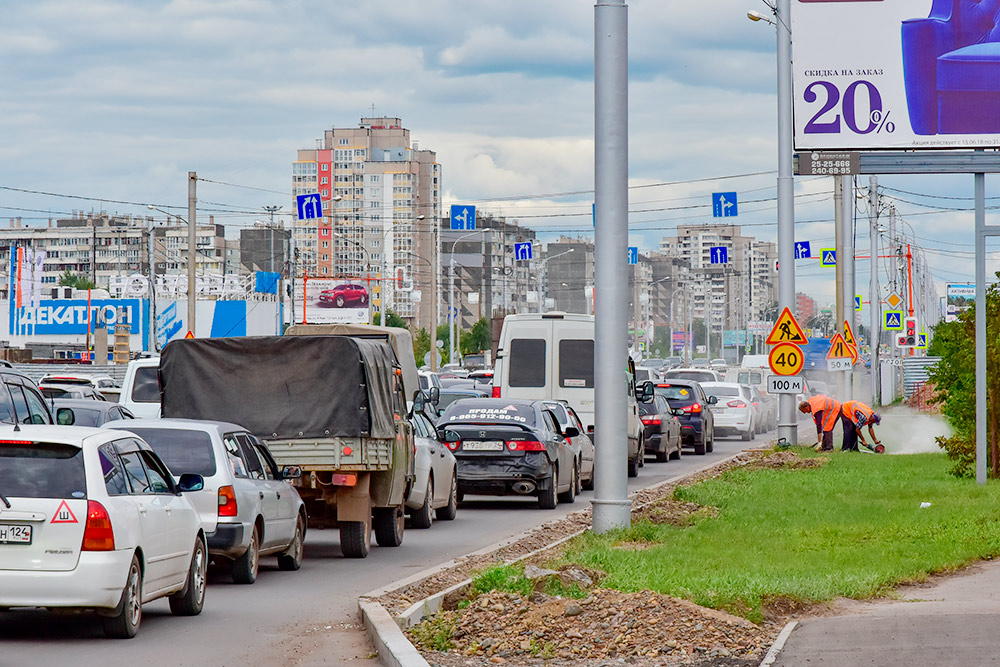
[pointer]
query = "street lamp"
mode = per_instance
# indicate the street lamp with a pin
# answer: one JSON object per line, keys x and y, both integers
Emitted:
{"x": 542, "y": 267}
{"x": 192, "y": 290}
{"x": 453, "y": 321}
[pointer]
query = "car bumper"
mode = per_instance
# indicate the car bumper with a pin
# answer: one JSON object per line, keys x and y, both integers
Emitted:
{"x": 484, "y": 477}
{"x": 739, "y": 423}
{"x": 653, "y": 443}
{"x": 691, "y": 432}
{"x": 228, "y": 540}
{"x": 96, "y": 583}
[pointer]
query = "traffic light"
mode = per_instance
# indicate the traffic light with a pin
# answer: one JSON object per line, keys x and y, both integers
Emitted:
{"x": 908, "y": 336}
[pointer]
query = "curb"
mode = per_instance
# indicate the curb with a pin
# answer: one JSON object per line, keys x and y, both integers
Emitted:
{"x": 772, "y": 653}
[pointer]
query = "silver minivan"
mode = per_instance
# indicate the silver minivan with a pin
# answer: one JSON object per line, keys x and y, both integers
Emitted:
{"x": 247, "y": 507}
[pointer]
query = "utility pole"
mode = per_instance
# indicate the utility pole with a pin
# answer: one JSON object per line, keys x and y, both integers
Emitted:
{"x": 192, "y": 290}
{"x": 874, "y": 298}
{"x": 839, "y": 244}
{"x": 152, "y": 287}
{"x": 848, "y": 261}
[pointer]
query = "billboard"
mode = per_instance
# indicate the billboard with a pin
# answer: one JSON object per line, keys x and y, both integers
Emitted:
{"x": 332, "y": 301}
{"x": 958, "y": 297}
{"x": 894, "y": 74}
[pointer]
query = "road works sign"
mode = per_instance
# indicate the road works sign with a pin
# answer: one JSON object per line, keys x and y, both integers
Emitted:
{"x": 786, "y": 359}
{"x": 839, "y": 349}
{"x": 786, "y": 330}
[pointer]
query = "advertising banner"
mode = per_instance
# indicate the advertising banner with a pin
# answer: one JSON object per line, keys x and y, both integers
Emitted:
{"x": 679, "y": 340}
{"x": 332, "y": 301}
{"x": 959, "y": 298}
{"x": 895, "y": 74}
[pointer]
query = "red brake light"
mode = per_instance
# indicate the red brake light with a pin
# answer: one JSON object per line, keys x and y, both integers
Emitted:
{"x": 98, "y": 534}
{"x": 495, "y": 392}
{"x": 525, "y": 446}
{"x": 348, "y": 451}
{"x": 16, "y": 442}
{"x": 453, "y": 445}
{"x": 736, "y": 404}
{"x": 227, "y": 501}
{"x": 652, "y": 422}
{"x": 693, "y": 408}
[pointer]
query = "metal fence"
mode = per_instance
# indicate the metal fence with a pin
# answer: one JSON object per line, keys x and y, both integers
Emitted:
{"x": 915, "y": 372}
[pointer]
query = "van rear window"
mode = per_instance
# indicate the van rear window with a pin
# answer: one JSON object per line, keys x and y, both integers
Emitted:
{"x": 576, "y": 364}
{"x": 527, "y": 362}
{"x": 146, "y": 385}
{"x": 42, "y": 470}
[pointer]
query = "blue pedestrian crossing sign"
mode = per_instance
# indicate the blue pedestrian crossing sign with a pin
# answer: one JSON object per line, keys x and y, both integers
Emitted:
{"x": 828, "y": 257}
{"x": 633, "y": 254}
{"x": 463, "y": 217}
{"x": 522, "y": 251}
{"x": 719, "y": 254}
{"x": 310, "y": 206}
{"x": 893, "y": 320}
{"x": 724, "y": 205}
{"x": 803, "y": 250}
{"x": 857, "y": 302}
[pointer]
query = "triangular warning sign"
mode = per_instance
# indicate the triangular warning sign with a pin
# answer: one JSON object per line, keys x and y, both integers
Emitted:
{"x": 849, "y": 334}
{"x": 839, "y": 349}
{"x": 188, "y": 335}
{"x": 64, "y": 514}
{"x": 787, "y": 330}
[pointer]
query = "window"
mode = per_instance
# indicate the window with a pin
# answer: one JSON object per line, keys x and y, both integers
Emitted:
{"x": 326, "y": 244}
{"x": 134, "y": 472}
{"x": 157, "y": 474}
{"x": 254, "y": 467}
{"x": 6, "y": 408}
{"x": 183, "y": 450}
{"x": 235, "y": 457}
{"x": 42, "y": 470}
{"x": 325, "y": 166}
{"x": 270, "y": 467}
{"x": 324, "y": 181}
{"x": 527, "y": 362}
{"x": 325, "y": 193}
{"x": 39, "y": 415}
{"x": 20, "y": 404}
{"x": 576, "y": 363}
{"x": 550, "y": 423}
{"x": 146, "y": 385}
{"x": 111, "y": 468}
{"x": 343, "y": 142}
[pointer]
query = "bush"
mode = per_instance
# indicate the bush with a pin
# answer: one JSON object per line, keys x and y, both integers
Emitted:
{"x": 962, "y": 451}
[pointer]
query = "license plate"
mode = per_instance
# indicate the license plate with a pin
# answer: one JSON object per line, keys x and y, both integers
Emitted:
{"x": 11, "y": 534}
{"x": 483, "y": 445}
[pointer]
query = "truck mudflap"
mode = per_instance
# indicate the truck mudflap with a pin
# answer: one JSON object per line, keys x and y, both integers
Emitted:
{"x": 353, "y": 502}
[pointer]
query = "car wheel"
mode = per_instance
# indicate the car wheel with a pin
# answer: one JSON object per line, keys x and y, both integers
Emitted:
{"x": 388, "y": 525}
{"x": 549, "y": 498}
{"x": 750, "y": 433}
{"x": 676, "y": 454}
{"x": 424, "y": 517}
{"x": 339, "y": 301}
{"x": 363, "y": 300}
{"x": 589, "y": 484}
{"x": 191, "y": 600}
{"x": 569, "y": 496}
{"x": 579, "y": 480}
{"x": 702, "y": 447}
{"x": 125, "y": 624}
{"x": 449, "y": 511}
{"x": 292, "y": 558}
{"x": 356, "y": 538}
{"x": 633, "y": 467}
{"x": 710, "y": 445}
{"x": 664, "y": 455}
{"x": 245, "y": 567}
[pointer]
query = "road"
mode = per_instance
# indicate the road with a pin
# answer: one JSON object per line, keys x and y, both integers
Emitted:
{"x": 308, "y": 617}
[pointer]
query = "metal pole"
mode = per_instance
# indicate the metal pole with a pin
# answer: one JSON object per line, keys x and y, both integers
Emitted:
{"x": 451, "y": 308}
{"x": 787, "y": 423}
{"x": 611, "y": 506}
{"x": 848, "y": 260}
{"x": 435, "y": 268}
{"x": 152, "y": 289}
{"x": 839, "y": 228}
{"x": 980, "y": 180}
{"x": 874, "y": 298}
{"x": 192, "y": 291}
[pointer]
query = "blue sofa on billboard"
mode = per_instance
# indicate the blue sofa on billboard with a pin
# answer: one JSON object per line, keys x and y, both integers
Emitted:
{"x": 951, "y": 68}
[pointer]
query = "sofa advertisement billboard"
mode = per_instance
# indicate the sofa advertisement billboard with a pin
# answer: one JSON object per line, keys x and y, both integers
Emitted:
{"x": 332, "y": 301}
{"x": 895, "y": 74}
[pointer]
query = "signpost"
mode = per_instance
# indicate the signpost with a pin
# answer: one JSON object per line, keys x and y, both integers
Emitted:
{"x": 310, "y": 206}
{"x": 633, "y": 254}
{"x": 892, "y": 320}
{"x": 778, "y": 384}
{"x": 719, "y": 254}
{"x": 803, "y": 250}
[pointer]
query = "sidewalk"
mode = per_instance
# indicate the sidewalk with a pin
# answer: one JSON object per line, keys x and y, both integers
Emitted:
{"x": 952, "y": 621}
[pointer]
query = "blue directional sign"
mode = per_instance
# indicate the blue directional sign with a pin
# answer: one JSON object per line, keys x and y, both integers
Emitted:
{"x": 724, "y": 205}
{"x": 463, "y": 217}
{"x": 522, "y": 251}
{"x": 310, "y": 206}
{"x": 893, "y": 320}
{"x": 828, "y": 257}
{"x": 719, "y": 254}
{"x": 633, "y": 254}
{"x": 857, "y": 302}
{"x": 803, "y": 250}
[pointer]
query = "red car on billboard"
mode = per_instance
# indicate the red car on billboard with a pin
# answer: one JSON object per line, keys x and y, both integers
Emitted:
{"x": 342, "y": 296}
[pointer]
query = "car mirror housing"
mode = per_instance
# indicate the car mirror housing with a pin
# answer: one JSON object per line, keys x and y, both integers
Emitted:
{"x": 190, "y": 482}
{"x": 447, "y": 435}
{"x": 571, "y": 431}
{"x": 435, "y": 395}
{"x": 291, "y": 472}
{"x": 65, "y": 417}
{"x": 712, "y": 400}
{"x": 646, "y": 391}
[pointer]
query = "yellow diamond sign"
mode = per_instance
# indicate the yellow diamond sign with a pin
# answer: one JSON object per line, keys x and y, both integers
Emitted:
{"x": 894, "y": 300}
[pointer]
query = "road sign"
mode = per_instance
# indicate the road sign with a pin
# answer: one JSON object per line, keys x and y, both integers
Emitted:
{"x": 839, "y": 364}
{"x": 922, "y": 340}
{"x": 522, "y": 251}
{"x": 857, "y": 302}
{"x": 310, "y": 206}
{"x": 828, "y": 256}
{"x": 719, "y": 254}
{"x": 777, "y": 384}
{"x": 786, "y": 359}
{"x": 786, "y": 330}
{"x": 463, "y": 217}
{"x": 839, "y": 349}
{"x": 894, "y": 301}
{"x": 849, "y": 334}
{"x": 724, "y": 205}
{"x": 633, "y": 255}
{"x": 189, "y": 335}
{"x": 803, "y": 250}
{"x": 892, "y": 320}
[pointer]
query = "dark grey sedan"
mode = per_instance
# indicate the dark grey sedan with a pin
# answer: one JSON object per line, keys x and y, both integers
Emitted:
{"x": 85, "y": 412}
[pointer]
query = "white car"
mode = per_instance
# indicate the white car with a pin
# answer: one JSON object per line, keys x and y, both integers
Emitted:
{"x": 435, "y": 485}
{"x": 92, "y": 519}
{"x": 95, "y": 381}
{"x": 734, "y": 413}
{"x": 566, "y": 416}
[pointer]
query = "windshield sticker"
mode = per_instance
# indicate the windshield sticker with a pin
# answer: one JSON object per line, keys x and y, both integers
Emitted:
{"x": 684, "y": 392}
{"x": 491, "y": 414}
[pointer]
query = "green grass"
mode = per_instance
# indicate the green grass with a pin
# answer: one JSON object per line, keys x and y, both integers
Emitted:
{"x": 511, "y": 579}
{"x": 851, "y": 528}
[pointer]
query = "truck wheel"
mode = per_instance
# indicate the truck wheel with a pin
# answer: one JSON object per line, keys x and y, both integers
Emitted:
{"x": 569, "y": 496}
{"x": 449, "y": 511}
{"x": 355, "y": 538}
{"x": 424, "y": 517}
{"x": 388, "y": 524}
{"x": 549, "y": 498}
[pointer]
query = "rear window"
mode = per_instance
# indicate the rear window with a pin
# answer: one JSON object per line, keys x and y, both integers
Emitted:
{"x": 42, "y": 470}
{"x": 526, "y": 361}
{"x": 146, "y": 385}
{"x": 650, "y": 408}
{"x": 676, "y": 392}
{"x": 183, "y": 451}
{"x": 722, "y": 391}
{"x": 85, "y": 417}
{"x": 576, "y": 364}
{"x": 697, "y": 376}
{"x": 748, "y": 378}
{"x": 497, "y": 413}
{"x": 559, "y": 410}
{"x": 447, "y": 399}
{"x": 55, "y": 392}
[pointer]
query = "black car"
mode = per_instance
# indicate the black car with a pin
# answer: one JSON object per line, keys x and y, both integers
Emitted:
{"x": 511, "y": 447}
{"x": 22, "y": 402}
{"x": 86, "y": 412}
{"x": 697, "y": 422}
{"x": 452, "y": 394}
{"x": 661, "y": 431}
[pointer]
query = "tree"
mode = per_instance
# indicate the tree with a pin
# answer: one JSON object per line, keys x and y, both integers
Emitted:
{"x": 444, "y": 335}
{"x": 70, "y": 279}
{"x": 479, "y": 338}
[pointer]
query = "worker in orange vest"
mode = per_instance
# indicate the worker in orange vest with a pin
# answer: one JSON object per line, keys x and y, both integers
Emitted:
{"x": 855, "y": 416}
{"x": 825, "y": 411}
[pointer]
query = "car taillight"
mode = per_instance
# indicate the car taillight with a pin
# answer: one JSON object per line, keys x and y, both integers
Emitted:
{"x": 495, "y": 392}
{"x": 736, "y": 404}
{"x": 98, "y": 534}
{"x": 227, "y": 501}
{"x": 453, "y": 445}
{"x": 652, "y": 422}
{"x": 693, "y": 408}
{"x": 525, "y": 446}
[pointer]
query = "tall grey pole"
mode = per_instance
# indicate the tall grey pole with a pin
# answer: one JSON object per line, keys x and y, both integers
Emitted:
{"x": 874, "y": 298}
{"x": 192, "y": 291}
{"x": 849, "y": 286}
{"x": 787, "y": 425}
{"x": 435, "y": 299}
{"x": 451, "y": 307}
{"x": 839, "y": 231}
{"x": 152, "y": 288}
{"x": 980, "y": 180}
{"x": 611, "y": 506}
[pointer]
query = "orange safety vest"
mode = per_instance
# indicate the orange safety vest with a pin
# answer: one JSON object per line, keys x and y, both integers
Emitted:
{"x": 829, "y": 407}
{"x": 858, "y": 412}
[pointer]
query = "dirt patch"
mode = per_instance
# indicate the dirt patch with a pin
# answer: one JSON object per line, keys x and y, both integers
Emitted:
{"x": 786, "y": 460}
{"x": 675, "y": 513}
{"x": 633, "y": 545}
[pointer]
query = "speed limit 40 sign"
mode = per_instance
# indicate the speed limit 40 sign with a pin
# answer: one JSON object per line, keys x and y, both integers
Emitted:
{"x": 786, "y": 359}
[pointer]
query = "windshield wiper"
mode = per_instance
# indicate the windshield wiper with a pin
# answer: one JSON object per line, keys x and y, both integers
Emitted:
{"x": 5, "y": 501}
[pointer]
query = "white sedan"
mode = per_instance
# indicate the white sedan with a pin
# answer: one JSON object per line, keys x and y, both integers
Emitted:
{"x": 734, "y": 413}
{"x": 435, "y": 485}
{"x": 91, "y": 519}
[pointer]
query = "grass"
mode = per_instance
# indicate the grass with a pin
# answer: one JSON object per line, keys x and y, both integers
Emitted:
{"x": 511, "y": 579}
{"x": 853, "y": 528}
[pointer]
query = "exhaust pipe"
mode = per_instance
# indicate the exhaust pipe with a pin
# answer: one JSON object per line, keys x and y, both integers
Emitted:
{"x": 524, "y": 488}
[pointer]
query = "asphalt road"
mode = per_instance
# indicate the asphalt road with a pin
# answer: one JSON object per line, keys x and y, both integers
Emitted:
{"x": 308, "y": 617}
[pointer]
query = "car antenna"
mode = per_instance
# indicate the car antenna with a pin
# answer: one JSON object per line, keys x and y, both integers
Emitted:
{"x": 17, "y": 427}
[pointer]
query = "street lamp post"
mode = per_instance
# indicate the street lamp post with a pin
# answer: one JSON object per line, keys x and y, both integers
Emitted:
{"x": 192, "y": 291}
{"x": 453, "y": 321}
{"x": 542, "y": 283}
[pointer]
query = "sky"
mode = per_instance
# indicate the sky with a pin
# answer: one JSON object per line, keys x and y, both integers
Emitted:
{"x": 107, "y": 105}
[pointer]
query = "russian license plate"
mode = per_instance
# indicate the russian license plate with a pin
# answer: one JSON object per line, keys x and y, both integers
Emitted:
{"x": 483, "y": 445}
{"x": 14, "y": 534}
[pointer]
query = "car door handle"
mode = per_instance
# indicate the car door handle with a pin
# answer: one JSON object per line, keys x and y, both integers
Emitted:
{"x": 261, "y": 493}
{"x": 278, "y": 493}
{"x": 142, "y": 509}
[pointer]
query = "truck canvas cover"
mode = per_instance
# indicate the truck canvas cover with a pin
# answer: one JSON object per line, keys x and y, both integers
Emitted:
{"x": 282, "y": 387}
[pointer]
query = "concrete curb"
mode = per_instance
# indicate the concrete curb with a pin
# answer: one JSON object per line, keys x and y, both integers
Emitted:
{"x": 779, "y": 643}
{"x": 391, "y": 645}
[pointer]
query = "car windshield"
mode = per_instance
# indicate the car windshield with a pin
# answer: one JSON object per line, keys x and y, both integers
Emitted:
{"x": 41, "y": 470}
{"x": 722, "y": 391}
{"x": 559, "y": 410}
{"x": 447, "y": 398}
{"x": 676, "y": 392}
{"x": 485, "y": 411}
{"x": 85, "y": 417}
{"x": 182, "y": 450}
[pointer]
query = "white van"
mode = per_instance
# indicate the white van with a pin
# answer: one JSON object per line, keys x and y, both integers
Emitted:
{"x": 550, "y": 356}
{"x": 140, "y": 393}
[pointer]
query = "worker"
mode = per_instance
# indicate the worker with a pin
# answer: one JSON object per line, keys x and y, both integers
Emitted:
{"x": 825, "y": 411}
{"x": 855, "y": 416}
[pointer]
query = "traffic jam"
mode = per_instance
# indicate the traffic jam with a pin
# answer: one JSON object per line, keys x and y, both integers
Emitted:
{"x": 222, "y": 452}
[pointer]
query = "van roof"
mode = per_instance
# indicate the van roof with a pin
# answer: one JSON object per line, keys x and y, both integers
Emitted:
{"x": 551, "y": 315}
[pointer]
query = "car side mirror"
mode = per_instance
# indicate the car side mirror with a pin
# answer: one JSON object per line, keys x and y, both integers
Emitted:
{"x": 712, "y": 400}
{"x": 590, "y": 429}
{"x": 447, "y": 435}
{"x": 190, "y": 482}
{"x": 65, "y": 417}
{"x": 571, "y": 432}
{"x": 644, "y": 392}
{"x": 291, "y": 472}
{"x": 435, "y": 395}
{"x": 419, "y": 403}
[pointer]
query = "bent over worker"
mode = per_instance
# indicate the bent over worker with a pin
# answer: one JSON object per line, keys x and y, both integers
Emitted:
{"x": 825, "y": 411}
{"x": 855, "y": 416}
